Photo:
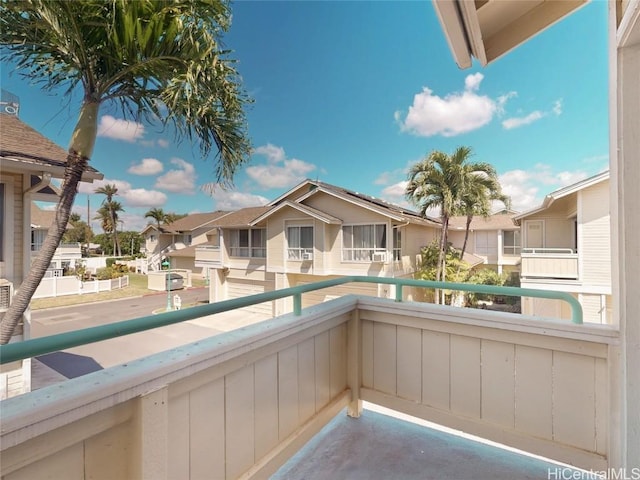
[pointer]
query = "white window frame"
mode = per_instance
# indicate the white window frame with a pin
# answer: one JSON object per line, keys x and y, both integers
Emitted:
{"x": 7, "y": 245}
{"x": 296, "y": 253}
{"x": 516, "y": 247}
{"x": 397, "y": 244}
{"x": 249, "y": 250}
{"x": 362, "y": 254}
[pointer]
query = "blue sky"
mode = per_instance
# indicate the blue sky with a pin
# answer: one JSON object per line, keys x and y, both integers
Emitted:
{"x": 352, "y": 93}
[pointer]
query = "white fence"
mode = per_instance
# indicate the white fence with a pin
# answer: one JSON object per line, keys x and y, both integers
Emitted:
{"x": 59, "y": 286}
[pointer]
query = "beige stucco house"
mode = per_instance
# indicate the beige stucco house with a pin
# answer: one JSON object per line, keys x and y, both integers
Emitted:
{"x": 176, "y": 241}
{"x": 313, "y": 232}
{"x": 567, "y": 247}
{"x": 241, "y": 404}
{"x": 28, "y": 163}
{"x": 494, "y": 240}
{"x": 67, "y": 255}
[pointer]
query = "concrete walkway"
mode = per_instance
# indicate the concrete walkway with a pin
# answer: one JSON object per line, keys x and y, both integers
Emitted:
{"x": 59, "y": 366}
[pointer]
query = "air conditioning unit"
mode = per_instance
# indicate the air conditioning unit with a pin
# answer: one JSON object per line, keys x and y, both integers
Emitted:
{"x": 379, "y": 257}
{"x": 307, "y": 256}
{"x": 6, "y": 294}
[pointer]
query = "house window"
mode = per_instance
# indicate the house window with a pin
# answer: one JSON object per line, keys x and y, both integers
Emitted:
{"x": 486, "y": 243}
{"x": 37, "y": 239}
{"x": 259, "y": 242}
{"x": 299, "y": 241}
{"x": 360, "y": 242}
{"x": 511, "y": 243}
{"x": 248, "y": 243}
{"x": 152, "y": 238}
{"x": 397, "y": 245}
{"x": 186, "y": 239}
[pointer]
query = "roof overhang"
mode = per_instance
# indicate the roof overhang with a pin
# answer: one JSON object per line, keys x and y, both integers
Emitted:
{"x": 34, "y": 167}
{"x": 488, "y": 29}
{"x": 312, "y": 212}
{"x": 563, "y": 192}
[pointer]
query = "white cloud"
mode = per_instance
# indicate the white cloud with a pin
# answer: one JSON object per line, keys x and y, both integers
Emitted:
{"x": 456, "y": 113}
{"x": 232, "y": 199}
{"x": 527, "y": 188}
{"x": 163, "y": 143}
{"x": 180, "y": 180}
{"x": 129, "y": 196}
{"x": 395, "y": 194}
{"x": 120, "y": 129}
{"x": 278, "y": 172}
{"x": 396, "y": 190}
{"x": 273, "y": 153}
{"x": 141, "y": 197}
{"x": 147, "y": 166}
{"x": 515, "y": 122}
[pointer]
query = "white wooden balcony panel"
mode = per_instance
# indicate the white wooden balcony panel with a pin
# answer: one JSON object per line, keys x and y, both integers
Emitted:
{"x": 242, "y": 403}
{"x": 550, "y": 265}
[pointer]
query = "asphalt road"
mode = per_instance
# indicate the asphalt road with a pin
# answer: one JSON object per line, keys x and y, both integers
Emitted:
{"x": 55, "y": 367}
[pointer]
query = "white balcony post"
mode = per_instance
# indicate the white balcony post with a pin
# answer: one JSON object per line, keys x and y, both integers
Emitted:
{"x": 354, "y": 363}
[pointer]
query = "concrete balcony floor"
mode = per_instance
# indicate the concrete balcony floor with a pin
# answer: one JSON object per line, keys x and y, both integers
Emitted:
{"x": 383, "y": 444}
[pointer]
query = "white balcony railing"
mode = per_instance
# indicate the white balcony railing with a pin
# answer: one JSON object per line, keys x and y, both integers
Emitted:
{"x": 549, "y": 263}
{"x": 208, "y": 255}
{"x": 244, "y": 402}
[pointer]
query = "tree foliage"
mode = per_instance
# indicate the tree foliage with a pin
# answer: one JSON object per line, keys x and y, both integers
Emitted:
{"x": 156, "y": 61}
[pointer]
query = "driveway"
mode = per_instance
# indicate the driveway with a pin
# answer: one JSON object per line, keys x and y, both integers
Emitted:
{"x": 56, "y": 367}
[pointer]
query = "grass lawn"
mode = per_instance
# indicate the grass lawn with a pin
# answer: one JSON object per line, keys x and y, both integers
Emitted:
{"x": 137, "y": 287}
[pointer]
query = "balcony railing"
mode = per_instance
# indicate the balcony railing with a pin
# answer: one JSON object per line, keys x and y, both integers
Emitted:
{"x": 241, "y": 403}
{"x": 208, "y": 255}
{"x": 549, "y": 263}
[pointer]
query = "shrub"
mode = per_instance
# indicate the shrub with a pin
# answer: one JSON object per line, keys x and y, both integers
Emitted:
{"x": 110, "y": 262}
{"x": 486, "y": 276}
{"x": 108, "y": 273}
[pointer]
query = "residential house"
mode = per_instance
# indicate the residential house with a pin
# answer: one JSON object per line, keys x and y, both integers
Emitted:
{"x": 567, "y": 247}
{"x": 313, "y": 232}
{"x": 176, "y": 240}
{"x": 494, "y": 240}
{"x": 67, "y": 254}
{"x": 241, "y": 404}
{"x": 28, "y": 163}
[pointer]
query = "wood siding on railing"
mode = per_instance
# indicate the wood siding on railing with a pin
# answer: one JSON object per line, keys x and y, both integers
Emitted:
{"x": 549, "y": 266}
{"x": 546, "y": 395}
{"x": 242, "y": 404}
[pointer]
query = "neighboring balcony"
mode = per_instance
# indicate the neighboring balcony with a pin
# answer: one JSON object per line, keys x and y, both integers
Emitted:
{"x": 549, "y": 263}
{"x": 64, "y": 250}
{"x": 241, "y": 404}
{"x": 208, "y": 256}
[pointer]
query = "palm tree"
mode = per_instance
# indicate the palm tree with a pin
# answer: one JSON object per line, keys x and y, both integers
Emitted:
{"x": 109, "y": 191}
{"x": 157, "y": 214}
{"x": 439, "y": 182}
{"x": 481, "y": 190}
{"x": 74, "y": 218}
{"x": 153, "y": 60}
{"x": 107, "y": 214}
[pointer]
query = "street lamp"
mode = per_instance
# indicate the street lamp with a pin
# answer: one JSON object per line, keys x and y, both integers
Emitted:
{"x": 167, "y": 264}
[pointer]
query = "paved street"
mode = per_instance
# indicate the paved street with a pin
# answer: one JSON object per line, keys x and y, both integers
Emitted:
{"x": 55, "y": 367}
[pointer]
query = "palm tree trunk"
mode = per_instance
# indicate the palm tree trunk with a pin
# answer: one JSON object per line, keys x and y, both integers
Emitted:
{"x": 76, "y": 165}
{"x": 464, "y": 244}
{"x": 80, "y": 150}
{"x": 441, "y": 253}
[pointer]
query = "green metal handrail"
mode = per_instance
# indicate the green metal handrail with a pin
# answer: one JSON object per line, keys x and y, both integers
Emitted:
{"x": 54, "y": 343}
